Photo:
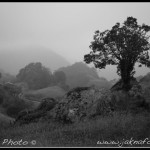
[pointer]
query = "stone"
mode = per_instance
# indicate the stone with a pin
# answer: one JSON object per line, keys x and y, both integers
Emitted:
{"x": 80, "y": 104}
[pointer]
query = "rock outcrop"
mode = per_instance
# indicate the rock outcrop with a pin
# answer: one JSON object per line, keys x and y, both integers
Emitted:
{"x": 82, "y": 103}
{"x": 28, "y": 116}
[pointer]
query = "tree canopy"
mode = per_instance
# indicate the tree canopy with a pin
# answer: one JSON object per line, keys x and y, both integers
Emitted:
{"x": 123, "y": 45}
{"x": 59, "y": 77}
{"x": 35, "y": 75}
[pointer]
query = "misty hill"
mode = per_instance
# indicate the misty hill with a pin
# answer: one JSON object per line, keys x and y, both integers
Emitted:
{"x": 15, "y": 58}
{"x": 79, "y": 74}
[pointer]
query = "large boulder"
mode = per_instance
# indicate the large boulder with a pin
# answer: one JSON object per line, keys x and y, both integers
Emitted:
{"x": 82, "y": 103}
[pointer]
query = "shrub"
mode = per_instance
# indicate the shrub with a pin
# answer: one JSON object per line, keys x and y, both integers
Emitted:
{"x": 26, "y": 117}
{"x": 47, "y": 104}
{"x": 16, "y": 106}
{"x": 119, "y": 101}
{"x": 132, "y": 101}
{"x": 13, "y": 111}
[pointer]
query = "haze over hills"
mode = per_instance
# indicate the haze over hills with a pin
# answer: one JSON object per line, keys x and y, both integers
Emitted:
{"x": 80, "y": 74}
{"x": 14, "y": 58}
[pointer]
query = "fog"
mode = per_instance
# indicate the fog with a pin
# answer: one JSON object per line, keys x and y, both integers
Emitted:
{"x": 64, "y": 28}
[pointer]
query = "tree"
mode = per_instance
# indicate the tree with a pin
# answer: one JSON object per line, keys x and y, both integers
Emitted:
{"x": 59, "y": 77}
{"x": 123, "y": 45}
{"x": 35, "y": 75}
{"x": 60, "y": 80}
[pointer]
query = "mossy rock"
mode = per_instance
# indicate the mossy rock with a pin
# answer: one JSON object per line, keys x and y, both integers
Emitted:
{"x": 28, "y": 116}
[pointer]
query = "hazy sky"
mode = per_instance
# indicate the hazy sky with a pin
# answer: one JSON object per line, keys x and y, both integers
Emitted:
{"x": 66, "y": 28}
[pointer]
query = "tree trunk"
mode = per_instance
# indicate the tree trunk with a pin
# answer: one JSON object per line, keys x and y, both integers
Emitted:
{"x": 126, "y": 83}
{"x": 126, "y": 75}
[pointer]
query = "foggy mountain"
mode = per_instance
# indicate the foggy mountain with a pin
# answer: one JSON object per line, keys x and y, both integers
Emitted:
{"x": 14, "y": 58}
{"x": 79, "y": 74}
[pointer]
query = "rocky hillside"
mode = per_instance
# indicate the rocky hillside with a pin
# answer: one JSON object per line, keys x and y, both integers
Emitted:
{"x": 83, "y": 103}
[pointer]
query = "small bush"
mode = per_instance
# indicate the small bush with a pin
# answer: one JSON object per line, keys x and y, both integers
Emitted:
{"x": 16, "y": 106}
{"x": 77, "y": 90}
{"x": 13, "y": 111}
{"x": 47, "y": 104}
{"x": 120, "y": 101}
{"x": 132, "y": 101}
{"x": 34, "y": 115}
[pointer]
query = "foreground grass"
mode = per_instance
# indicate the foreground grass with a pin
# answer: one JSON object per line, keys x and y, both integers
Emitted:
{"x": 120, "y": 127}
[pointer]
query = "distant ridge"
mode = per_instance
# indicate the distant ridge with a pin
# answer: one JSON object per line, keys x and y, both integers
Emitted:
{"x": 14, "y": 58}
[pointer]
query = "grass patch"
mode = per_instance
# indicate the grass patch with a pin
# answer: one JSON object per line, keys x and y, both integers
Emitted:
{"x": 53, "y": 92}
{"x": 83, "y": 134}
